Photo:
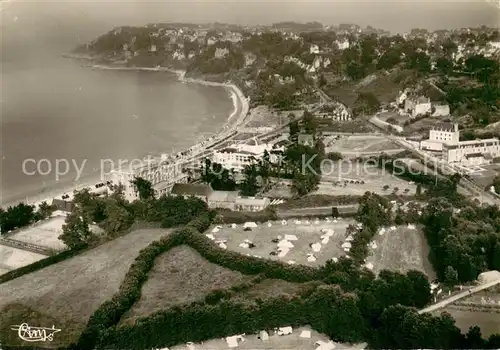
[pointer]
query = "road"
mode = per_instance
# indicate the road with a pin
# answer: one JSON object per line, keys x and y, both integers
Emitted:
{"x": 461, "y": 295}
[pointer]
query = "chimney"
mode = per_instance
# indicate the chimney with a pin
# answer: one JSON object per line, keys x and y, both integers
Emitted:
{"x": 456, "y": 127}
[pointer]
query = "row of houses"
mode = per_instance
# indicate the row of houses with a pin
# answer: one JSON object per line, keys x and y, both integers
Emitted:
{"x": 409, "y": 103}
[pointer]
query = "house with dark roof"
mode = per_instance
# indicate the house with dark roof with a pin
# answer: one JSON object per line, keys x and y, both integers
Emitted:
{"x": 306, "y": 140}
{"x": 62, "y": 205}
{"x": 222, "y": 199}
{"x": 201, "y": 191}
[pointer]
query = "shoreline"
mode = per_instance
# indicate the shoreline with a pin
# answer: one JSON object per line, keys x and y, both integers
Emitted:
{"x": 240, "y": 110}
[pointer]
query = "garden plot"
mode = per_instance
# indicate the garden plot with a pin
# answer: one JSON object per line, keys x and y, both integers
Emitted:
{"x": 14, "y": 258}
{"x": 308, "y": 242}
{"x": 181, "y": 276}
{"x": 43, "y": 234}
{"x": 303, "y": 338}
{"x": 400, "y": 248}
{"x": 353, "y": 178}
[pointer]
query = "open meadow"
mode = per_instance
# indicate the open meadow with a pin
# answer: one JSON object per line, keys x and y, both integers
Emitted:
{"x": 400, "y": 248}
{"x": 306, "y": 242}
{"x": 190, "y": 277}
{"x": 70, "y": 291}
{"x": 359, "y": 145}
{"x": 356, "y": 178}
{"x": 13, "y": 258}
{"x": 44, "y": 233}
{"x": 303, "y": 338}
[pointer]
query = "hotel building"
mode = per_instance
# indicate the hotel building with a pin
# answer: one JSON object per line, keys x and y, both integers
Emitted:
{"x": 445, "y": 138}
{"x": 238, "y": 156}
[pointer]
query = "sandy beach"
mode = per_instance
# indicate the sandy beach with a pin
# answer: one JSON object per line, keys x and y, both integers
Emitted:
{"x": 235, "y": 119}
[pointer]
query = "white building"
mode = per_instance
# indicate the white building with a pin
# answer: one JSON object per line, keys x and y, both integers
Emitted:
{"x": 446, "y": 139}
{"x": 240, "y": 155}
{"x": 162, "y": 175}
{"x": 441, "y": 111}
{"x": 472, "y": 152}
{"x": 419, "y": 106}
{"x": 445, "y": 133}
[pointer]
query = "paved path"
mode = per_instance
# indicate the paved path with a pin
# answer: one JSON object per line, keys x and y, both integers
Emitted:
{"x": 461, "y": 295}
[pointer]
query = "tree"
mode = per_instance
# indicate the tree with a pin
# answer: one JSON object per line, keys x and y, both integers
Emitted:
{"x": 335, "y": 156}
{"x": 474, "y": 339}
{"x": 450, "y": 277}
{"x": 294, "y": 130}
{"x": 76, "y": 232}
{"x": 385, "y": 188}
{"x": 250, "y": 186}
{"x": 144, "y": 188}
{"x": 117, "y": 218}
{"x": 45, "y": 210}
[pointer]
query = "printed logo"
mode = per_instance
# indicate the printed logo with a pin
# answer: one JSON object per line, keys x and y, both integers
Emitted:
{"x": 33, "y": 334}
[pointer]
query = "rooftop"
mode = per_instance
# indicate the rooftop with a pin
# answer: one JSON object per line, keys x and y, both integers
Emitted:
{"x": 192, "y": 189}
{"x": 251, "y": 201}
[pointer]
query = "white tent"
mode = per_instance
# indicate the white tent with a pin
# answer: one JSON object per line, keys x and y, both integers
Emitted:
{"x": 291, "y": 262}
{"x": 285, "y": 330}
{"x": 269, "y": 224}
{"x": 234, "y": 225}
{"x": 307, "y": 222}
{"x": 244, "y": 245}
{"x": 325, "y": 240}
{"x": 335, "y": 259}
{"x": 393, "y": 228}
{"x": 349, "y": 238}
{"x": 249, "y": 224}
{"x": 297, "y": 222}
{"x": 284, "y": 222}
{"x": 291, "y": 237}
{"x": 369, "y": 266}
{"x": 305, "y": 334}
{"x": 311, "y": 258}
{"x": 222, "y": 245}
{"x": 263, "y": 335}
{"x": 335, "y": 221}
{"x": 381, "y": 231}
{"x": 285, "y": 244}
{"x": 283, "y": 252}
{"x": 321, "y": 345}
{"x": 210, "y": 236}
{"x": 411, "y": 227}
{"x": 347, "y": 245}
{"x": 316, "y": 247}
{"x": 215, "y": 230}
{"x": 374, "y": 245}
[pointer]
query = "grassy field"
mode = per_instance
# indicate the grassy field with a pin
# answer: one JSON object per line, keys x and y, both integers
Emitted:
{"x": 489, "y": 322}
{"x": 352, "y": 144}
{"x": 190, "y": 278}
{"x": 44, "y": 233}
{"x": 287, "y": 342}
{"x": 14, "y": 258}
{"x": 401, "y": 250}
{"x": 70, "y": 291}
{"x": 374, "y": 180}
{"x": 306, "y": 234}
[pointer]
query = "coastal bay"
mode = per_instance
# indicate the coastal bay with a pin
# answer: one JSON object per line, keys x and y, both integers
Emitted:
{"x": 97, "y": 115}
